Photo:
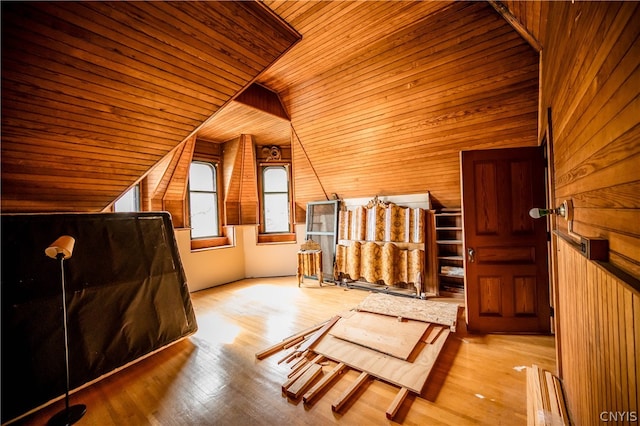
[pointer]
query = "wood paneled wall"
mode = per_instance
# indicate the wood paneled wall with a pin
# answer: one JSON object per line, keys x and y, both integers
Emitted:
{"x": 241, "y": 181}
{"x": 389, "y": 115}
{"x": 591, "y": 82}
{"x": 95, "y": 93}
{"x": 600, "y": 325}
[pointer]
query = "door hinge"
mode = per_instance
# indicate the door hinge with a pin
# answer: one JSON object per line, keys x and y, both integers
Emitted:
{"x": 551, "y": 312}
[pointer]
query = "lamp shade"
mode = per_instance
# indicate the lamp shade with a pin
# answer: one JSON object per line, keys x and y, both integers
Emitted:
{"x": 63, "y": 244}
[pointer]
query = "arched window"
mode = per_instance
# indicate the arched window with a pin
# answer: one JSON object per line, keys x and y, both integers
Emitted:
{"x": 203, "y": 200}
{"x": 275, "y": 199}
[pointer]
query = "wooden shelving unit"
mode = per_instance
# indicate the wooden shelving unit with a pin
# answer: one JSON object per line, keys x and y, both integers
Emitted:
{"x": 450, "y": 254}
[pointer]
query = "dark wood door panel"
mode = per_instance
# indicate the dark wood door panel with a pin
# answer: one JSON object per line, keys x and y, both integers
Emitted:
{"x": 506, "y": 264}
{"x": 506, "y": 254}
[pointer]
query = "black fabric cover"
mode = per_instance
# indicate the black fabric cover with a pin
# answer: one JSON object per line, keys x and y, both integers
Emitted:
{"x": 127, "y": 296}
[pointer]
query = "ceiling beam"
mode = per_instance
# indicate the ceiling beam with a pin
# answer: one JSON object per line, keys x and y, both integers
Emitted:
{"x": 516, "y": 24}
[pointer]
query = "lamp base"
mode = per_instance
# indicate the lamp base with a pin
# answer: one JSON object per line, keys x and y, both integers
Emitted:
{"x": 68, "y": 417}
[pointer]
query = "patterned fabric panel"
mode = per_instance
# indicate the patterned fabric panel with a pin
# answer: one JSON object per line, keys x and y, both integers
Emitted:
{"x": 416, "y": 226}
{"x": 415, "y": 265}
{"x": 371, "y": 262}
{"x": 377, "y": 263}
{"x": 371, "y": 253}
{"x": 390, "y": 264}
{"x": 380, "y": 225}
{"x": 309, "y": 263}
{"x": 397, "y": 224}
{"x": 344, "y": 219}
{"x": 341, "y": 260}
{"x": 358, "y": 224}
{"x": 375, "y": 223}
{"x": 353, "y": 261}
{"x": 402, "y": 262}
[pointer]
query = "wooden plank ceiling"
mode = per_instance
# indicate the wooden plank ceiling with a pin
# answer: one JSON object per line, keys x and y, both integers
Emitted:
{"x": 95, "y": 93}
{"x": 384, "y": 95}
{"x": 381, "y": 95}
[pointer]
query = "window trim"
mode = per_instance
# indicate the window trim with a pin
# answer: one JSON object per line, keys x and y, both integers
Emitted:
{"x": 207, "y": 240}
{"x": 273, "y": 236}
{"x": 137, "y": 197}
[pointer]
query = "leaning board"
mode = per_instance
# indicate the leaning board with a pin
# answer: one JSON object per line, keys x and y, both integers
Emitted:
{"x": 380, "y": 332}
{"x": 411, "y": 375}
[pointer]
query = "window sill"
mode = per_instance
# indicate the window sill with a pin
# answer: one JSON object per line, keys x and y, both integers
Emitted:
{"x": 289, "y": 238}
{"x": 209, "y": 243}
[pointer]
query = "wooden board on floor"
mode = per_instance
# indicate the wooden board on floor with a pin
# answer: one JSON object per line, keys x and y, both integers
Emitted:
{"x": 444, "y": 313}
{"x": 411, "y": 375}
{"x": 381, "y": 332}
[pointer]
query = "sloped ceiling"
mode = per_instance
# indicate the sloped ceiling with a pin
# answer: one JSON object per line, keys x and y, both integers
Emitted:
{"x": 382, "y": 95}
{"x": 95, "y": 93}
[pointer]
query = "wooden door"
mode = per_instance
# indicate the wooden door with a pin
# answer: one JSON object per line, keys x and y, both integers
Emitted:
{"x": 506, "y": 274}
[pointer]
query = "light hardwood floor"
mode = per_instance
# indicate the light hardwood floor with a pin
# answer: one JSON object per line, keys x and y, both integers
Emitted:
{"x": 213, "y": 377}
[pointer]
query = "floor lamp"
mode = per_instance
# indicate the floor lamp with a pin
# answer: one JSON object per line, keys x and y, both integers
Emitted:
{"x": 61, "y": 249}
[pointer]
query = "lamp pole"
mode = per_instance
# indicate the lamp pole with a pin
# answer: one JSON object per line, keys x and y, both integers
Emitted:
{"x": 62, "y": 249}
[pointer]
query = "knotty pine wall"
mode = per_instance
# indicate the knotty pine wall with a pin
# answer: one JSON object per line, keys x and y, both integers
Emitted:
{"x": 600, "y": 325}
{"x": 390, "y": 115}
{"x": 591, "y": 82}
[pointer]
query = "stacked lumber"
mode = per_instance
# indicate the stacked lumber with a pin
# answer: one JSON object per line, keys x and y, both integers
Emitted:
{"x": 545, "y": 400}
{"x": 398, "y": 343}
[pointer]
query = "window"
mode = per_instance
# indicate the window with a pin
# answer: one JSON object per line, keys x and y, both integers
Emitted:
{"x": 203, "y": 200}
{"x": 129, "y": 202}
{"x": 275, "y": 199}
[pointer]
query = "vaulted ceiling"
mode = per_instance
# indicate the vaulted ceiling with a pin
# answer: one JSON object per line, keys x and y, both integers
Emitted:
{"x": 95, "y": 93}
{"x": 381, "y": 95}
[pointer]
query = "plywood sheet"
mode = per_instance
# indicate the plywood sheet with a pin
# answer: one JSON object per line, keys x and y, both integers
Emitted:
{"x": 412, "y": 375}
{"x": 381, "y": 332}
{"x": 444, "y": 313}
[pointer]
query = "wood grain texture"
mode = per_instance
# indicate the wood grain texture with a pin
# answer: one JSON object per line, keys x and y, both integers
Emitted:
{"x": 214, "y": 377}
{"x": 322, "y": 383}
{"x": 396, "y": 403}
{"x": 388, "y": 83}
{"x": 237, "y": 118}
{"x": 396, "y": 104}
{"x": 592, "y": 84}
{"x": 105, "y": 90}
{"x": 302, "y": 383}
{"x": 350, "y": 391}
{"x": 411, "y": 375}
{"x": 382, "y": 333}
{"x": 429, "y": 311}
{"x": 599, "y": 317}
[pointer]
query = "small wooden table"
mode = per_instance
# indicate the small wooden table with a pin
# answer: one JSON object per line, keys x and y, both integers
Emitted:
{"x": 309, "y": 264}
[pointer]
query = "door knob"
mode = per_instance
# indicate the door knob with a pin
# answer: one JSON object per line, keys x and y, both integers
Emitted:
{"x": 471, "y": 252}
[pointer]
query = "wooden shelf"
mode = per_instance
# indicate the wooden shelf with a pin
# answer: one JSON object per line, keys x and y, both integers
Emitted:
{"x": 450, "y": 258}
{"x": 449, "y": 242}
{"x": 451, "y": 276}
